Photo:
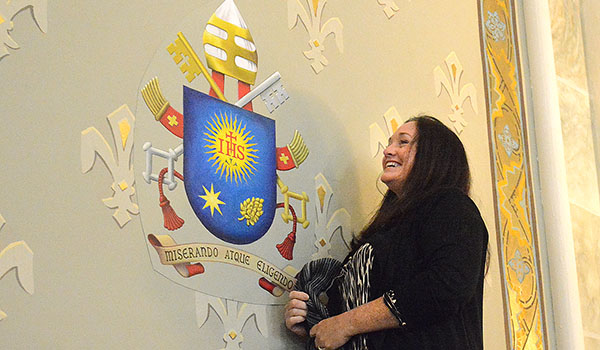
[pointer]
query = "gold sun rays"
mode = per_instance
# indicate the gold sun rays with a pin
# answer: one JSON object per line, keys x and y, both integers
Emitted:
{"x": 229, "y": 144}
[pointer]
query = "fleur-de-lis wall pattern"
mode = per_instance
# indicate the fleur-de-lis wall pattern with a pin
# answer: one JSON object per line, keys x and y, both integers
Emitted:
{"x": 378, "y": 138}
{"x": 8, "y": 10}
{"x": 389, "y": 7}
{"x": 119, "y": 165}
{"x": 311, "y": 20}
{"x": 18, "y": 256}
{"x": 326, "y": 223}
{"x": 458, "y": 95}
{"x": 234, "y": 317}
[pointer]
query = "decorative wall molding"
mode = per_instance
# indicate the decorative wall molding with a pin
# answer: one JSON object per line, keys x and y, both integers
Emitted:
{"x": 19, "y": 256}
{"x": 508, "y": 142}
{"x": 458, "y": 95}
{"x": 495, "y": 27}
{"x": 312, "y": 20}
{"x": 119, "y": 164}
{"x": 517, "y": 236}
{"x": 233, "y": 315}
{"x": 9, "y": 9}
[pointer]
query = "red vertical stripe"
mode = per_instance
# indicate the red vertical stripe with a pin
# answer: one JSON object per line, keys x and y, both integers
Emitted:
{"x": 243, "y": 89}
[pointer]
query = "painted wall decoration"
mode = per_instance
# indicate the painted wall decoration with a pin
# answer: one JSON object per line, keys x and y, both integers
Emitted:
{"x": 311, "y": 18}
{"x": 18, "y": 256}
{"x": 321, "y": 182}
{"x": 389, "y": 7}
{"x": 225, "y": 183}
{"x": 451, "y": 83}
{"x": 118, "y": 163}
{"x": 233, "y": 316}
{"x": 9, "y": 9}
{"x": 378, "y": 138}
{"x": 327, "y": 223}
{"x": 495, "y": 27}
{"x": 516, "y": 228}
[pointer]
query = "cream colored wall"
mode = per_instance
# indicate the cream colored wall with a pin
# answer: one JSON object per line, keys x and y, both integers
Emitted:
{"x": 575, "y": 28}
{"x": 94, "y": 283}
{"x": 94, "y": 286}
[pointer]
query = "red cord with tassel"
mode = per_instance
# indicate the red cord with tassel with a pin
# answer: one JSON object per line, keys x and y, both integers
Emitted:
{"x": 172, "y": 221}
{"x": 286, "y": 248}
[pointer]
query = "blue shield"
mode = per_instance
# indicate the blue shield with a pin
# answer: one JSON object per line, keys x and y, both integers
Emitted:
{"x": 229, "y": 167}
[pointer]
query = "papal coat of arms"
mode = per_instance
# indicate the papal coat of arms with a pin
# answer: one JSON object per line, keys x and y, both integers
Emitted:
{"x": 216, "y": 209}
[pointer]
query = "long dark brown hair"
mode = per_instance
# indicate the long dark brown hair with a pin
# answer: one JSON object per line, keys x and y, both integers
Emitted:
{"x": 440, "y": 163}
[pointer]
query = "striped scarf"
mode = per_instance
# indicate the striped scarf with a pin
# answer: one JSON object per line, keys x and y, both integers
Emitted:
{"x": 317, "y": 276}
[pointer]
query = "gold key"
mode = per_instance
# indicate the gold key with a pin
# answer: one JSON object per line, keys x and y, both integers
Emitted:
{"x": 182, "y": 51}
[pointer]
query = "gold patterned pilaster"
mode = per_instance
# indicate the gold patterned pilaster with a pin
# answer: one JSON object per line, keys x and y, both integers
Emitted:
{"x": 517, "y": 236}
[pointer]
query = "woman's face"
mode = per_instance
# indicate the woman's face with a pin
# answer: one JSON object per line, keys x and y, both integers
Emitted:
{"x": 399, "y": 156}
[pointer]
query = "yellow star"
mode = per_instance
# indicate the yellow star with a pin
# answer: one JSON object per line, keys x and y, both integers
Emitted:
{"x": 212, "y": 200}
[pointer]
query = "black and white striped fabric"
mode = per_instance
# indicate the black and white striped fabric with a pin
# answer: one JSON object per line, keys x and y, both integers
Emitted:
{"x": 317, "y": 276}
{"x": 355, "y": 286}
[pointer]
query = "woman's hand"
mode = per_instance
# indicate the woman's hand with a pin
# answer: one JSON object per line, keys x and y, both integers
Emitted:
{"x": 295, "y": 312}
{"x": 332, "y": 333}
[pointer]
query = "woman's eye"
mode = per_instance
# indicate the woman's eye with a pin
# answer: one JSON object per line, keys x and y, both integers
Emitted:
{"x": 398, "y": 142}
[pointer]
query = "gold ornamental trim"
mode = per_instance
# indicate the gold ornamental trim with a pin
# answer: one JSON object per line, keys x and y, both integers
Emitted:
{"x": 509, "y": 152}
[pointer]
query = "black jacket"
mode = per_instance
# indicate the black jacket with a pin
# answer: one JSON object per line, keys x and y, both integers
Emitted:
{"x": 434, "y": 260}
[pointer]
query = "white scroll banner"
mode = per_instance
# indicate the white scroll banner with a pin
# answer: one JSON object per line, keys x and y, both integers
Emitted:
{"x": 182, "y": 255}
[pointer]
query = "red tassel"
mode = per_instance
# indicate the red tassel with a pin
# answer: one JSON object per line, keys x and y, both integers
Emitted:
{"x": 286, "y": 248}
{"x": 172, "y": 221}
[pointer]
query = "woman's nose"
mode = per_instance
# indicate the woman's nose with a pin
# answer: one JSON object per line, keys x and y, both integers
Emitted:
{"x": 387, "y": 151}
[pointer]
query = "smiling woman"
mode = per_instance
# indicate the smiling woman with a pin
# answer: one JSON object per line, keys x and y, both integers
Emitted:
{"x": 398, "y": 156}
{"x": 414, "y": 279}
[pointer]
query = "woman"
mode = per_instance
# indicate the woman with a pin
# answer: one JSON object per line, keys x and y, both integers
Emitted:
{"x": 429, "y": 247}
